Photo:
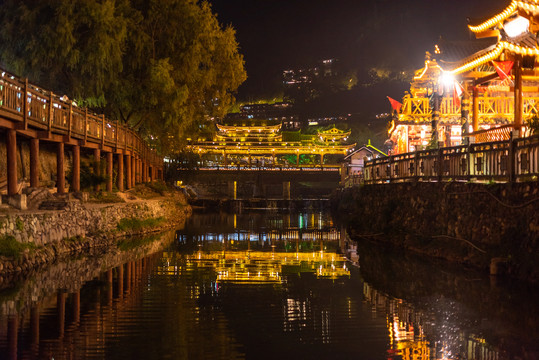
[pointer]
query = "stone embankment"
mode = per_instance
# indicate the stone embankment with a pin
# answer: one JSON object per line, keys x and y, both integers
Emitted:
{"x": 82, "y": 226}
{"x": 70, "y": 275}
{"x": 493, "y": 227}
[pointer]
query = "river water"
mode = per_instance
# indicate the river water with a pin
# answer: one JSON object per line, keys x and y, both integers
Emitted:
{"x": 263, "y": 285}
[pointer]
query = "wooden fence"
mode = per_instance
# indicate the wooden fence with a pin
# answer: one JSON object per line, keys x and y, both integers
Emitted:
{"x": 513, "y": 160}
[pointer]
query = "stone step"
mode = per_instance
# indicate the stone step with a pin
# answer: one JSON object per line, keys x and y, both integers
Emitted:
{"x": 53, "y": 205}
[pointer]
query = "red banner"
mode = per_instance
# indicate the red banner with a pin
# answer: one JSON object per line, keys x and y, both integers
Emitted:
{"x": 503, "y": 68}
{"x": 395, "y": 104}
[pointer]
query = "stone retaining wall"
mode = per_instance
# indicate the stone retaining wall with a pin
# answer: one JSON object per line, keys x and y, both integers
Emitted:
{"x": 469, "y": 223}
{"x": 78, "y": 219}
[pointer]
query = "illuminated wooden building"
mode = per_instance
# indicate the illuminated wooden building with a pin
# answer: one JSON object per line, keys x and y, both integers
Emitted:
{"x": 262, "y": 145}
{"x": 484, "y": 95}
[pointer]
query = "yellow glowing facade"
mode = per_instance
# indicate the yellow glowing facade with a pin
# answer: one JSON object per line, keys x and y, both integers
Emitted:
{"x": 251, "y": 142}
{"x": 487, "y": 108}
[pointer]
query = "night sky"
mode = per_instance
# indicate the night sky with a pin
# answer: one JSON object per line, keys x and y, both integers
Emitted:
{"x": 278, "y": 34}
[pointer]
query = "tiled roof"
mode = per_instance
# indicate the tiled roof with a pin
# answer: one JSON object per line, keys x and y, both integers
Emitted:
{"x": 453, "y": 52}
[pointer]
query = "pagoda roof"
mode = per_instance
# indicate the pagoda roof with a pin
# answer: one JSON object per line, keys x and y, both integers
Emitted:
{"x": 249, "y": 127}
{"x": 526, "y": 45}
{"x": 493, "y": 21}
{"x": 334, "y": 131}
{"x": 373, "y": 150}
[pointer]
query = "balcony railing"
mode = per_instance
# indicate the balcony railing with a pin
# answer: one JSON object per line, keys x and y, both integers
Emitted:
{"x": 490, "y": 108}
{"x": 501, "y": 161}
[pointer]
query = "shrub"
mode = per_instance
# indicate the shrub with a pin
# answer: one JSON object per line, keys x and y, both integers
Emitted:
{"x": 132, "y": 224}
{"x": 10, "y": 247}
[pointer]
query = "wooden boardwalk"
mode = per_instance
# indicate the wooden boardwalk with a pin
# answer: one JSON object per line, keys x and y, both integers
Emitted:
{"x": 30, "y": 113}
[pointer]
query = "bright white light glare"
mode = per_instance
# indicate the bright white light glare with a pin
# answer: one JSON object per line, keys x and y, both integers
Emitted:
{"x": 447, "y": 79}
{"x": 517, "y": 26}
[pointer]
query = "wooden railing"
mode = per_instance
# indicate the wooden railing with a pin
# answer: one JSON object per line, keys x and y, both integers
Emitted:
{"x": 33, "y": 107}
{"x": 503, "y": 161}
{"x": 489, "y": 107}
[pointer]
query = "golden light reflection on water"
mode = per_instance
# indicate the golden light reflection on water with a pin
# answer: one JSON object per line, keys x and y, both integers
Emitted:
{"x": 256, "y": 266}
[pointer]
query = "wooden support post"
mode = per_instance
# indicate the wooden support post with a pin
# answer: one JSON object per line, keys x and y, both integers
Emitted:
{"x": 465, "y": 115}
{"x": 60, "y": 172}
{"x": 475, "y": 104}
{"x": 133, "y": 170}
{"x": 109, "y": 171}
{"x": 144, "y": 171}
{"x": 97, "y": 166}
{"x": 517, "y": 70}
{"x": 75, "y": 186}
{"x": 128, "y": 171}
{"x": 11, "y": 149}
{"x": 34, "y": 163}
{"x": 120, "y": 172}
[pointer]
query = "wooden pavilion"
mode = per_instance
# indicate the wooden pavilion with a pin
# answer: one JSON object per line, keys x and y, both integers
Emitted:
{"x": 475, "y": 92}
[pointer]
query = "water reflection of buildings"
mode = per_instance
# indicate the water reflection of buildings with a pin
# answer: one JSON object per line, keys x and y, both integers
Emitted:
{"x": 415, "y": 335}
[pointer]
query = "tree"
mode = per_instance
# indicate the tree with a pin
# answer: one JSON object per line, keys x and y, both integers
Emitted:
{"x": 165, "y": 67}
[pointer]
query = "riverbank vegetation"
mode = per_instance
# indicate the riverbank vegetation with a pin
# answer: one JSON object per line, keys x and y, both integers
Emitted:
{"x": 10, "y": 247}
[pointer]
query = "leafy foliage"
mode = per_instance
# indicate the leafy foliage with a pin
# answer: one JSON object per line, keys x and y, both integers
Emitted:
{"x": 164, "y": 67}
{"x": 533, "y": 124}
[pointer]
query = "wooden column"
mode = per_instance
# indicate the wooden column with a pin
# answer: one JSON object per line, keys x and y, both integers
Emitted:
{"x": 517, "y": 71}
{"x": 475, "y": 104}
{"x": 465, "y": 115}
{"x": 34, "y": 163}
{"x": 75, "y": 186}
{"x": 60, "y": 173}
{"x": 97, "y": 166}
{"x": 120, "y": 172}
{"x": 144, "y": 171}
{"x": 133, "y": 170}
{"x": 109, "y": 171}
{"x": 128, "y": 171}
{"x": 11, "y": 149}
